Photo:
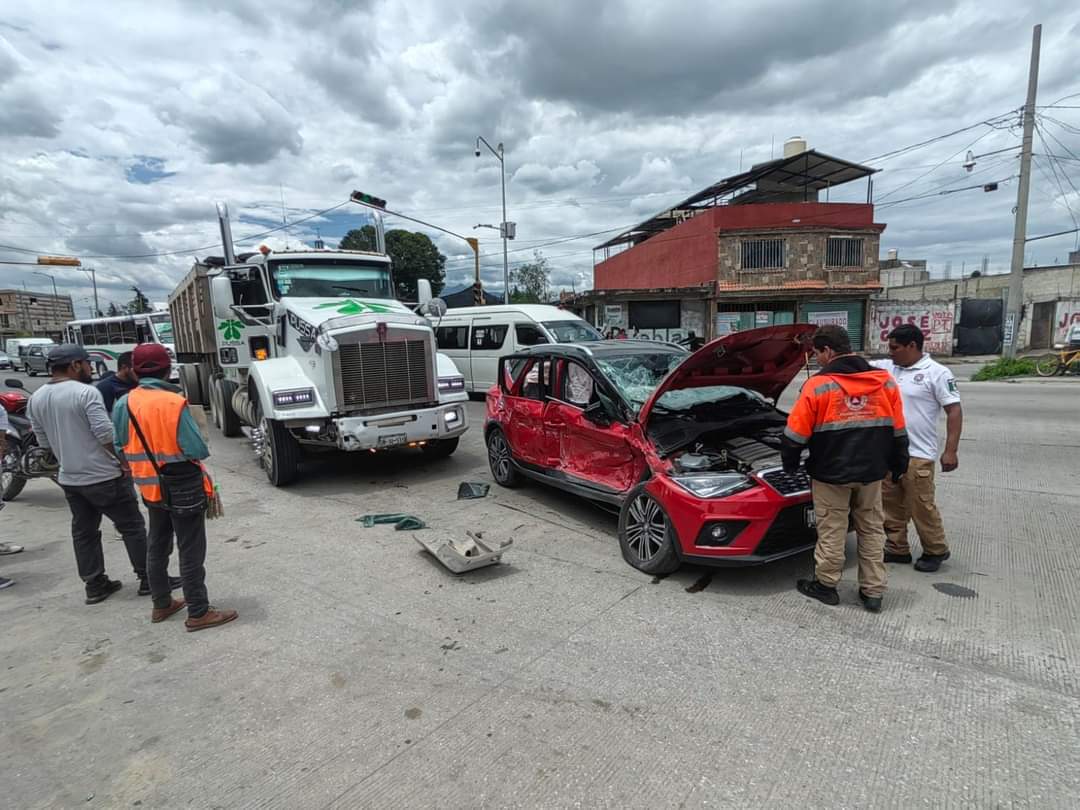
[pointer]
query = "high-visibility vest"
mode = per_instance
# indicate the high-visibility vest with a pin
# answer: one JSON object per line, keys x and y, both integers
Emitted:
{"x": 159, "y": 415}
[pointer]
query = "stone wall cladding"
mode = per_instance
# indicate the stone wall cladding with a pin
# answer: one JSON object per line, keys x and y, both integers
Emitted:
{"x": 804, "y": 259}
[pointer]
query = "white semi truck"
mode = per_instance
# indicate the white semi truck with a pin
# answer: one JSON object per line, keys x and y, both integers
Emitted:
{"x": 310, "y": 349}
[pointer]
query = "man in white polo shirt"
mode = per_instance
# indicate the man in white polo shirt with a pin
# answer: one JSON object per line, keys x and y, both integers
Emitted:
{"x": 927, "y": 388}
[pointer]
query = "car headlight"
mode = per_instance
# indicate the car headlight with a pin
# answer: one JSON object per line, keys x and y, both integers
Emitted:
{"x": 448, "y": 384}
{"x": 294, "y": 399}
{"x": 713, "y": 485}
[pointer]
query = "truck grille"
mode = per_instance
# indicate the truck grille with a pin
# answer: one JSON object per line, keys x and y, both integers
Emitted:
{"x": 787, "y": 483}
{"x": 384, "y": 375}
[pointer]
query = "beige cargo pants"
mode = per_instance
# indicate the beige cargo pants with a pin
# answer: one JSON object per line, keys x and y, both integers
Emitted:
{"x": 913, "y": 500}
{"x": 832, "y": 505}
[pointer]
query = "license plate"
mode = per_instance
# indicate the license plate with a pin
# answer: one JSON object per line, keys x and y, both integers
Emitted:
{"x": 393, "y": 440}
{"x": 811, "y": 518}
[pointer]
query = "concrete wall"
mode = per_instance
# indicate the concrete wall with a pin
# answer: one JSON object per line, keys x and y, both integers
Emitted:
{"x": 1042, "y": 284}
{"x": 692, "y": 315}
{"x": 935, "y": 318}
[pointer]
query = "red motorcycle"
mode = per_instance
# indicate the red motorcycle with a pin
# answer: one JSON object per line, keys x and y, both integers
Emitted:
{"x": 23, "y": 459}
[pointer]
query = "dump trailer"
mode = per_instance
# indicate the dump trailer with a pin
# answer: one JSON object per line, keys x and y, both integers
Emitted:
{"x": 310, "y": 349}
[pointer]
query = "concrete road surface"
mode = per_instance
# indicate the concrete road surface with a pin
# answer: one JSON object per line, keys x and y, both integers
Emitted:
{"x": 362, "y": 674}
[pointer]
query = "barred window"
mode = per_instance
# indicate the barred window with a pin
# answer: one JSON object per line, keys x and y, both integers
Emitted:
{"x": 844, "y": 251}
{"x": 763, "y": 254}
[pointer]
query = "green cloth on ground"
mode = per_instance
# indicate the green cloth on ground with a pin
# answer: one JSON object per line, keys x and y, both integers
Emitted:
{"x": 402, "y": 522}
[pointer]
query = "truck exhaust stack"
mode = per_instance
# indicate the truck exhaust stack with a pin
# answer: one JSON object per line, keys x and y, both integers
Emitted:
{"x": 226, "y": 234}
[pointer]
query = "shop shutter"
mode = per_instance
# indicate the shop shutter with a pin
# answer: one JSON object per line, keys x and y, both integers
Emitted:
{"x": 851, "y": 319}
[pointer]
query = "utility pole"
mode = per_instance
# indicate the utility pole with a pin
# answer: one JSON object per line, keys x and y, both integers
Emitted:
{"x": 1016, "y": 281}
{"x": 93, "y": 280}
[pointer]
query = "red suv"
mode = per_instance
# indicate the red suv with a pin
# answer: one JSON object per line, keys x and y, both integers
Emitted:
{"x": 685, "y": 445}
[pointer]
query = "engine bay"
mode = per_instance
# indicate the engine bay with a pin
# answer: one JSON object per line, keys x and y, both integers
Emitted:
{"x": 739, "y": 454}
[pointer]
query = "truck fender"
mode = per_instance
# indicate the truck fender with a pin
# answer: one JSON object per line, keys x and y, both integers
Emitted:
{"x": 268, "y": 377}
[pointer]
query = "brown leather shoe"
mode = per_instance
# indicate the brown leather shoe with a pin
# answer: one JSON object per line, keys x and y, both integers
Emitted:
{"x": 212, "y": 618}
{"x": 161, "y": 614}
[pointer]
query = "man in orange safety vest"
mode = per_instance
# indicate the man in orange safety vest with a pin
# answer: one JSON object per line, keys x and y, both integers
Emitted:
{"x": 162, "y": 443}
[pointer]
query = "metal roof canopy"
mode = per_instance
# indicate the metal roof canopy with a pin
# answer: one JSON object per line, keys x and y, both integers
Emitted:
{"x": 807, "y": 171}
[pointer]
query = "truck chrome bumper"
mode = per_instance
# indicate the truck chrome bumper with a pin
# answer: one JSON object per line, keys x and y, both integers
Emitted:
{"x": 388, "y": 430}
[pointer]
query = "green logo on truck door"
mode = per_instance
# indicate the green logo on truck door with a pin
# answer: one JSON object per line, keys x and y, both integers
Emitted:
{"x": 231, "y": 331}
{"x": 353, "y": 307}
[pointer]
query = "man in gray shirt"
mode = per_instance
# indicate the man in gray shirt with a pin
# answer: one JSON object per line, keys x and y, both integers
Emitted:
{"x": 69, "y": 417}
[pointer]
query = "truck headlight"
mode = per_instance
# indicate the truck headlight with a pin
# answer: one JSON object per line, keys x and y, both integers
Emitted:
{"x": 294, "y": 399}
{"x": 449, "y": 384}
{"x": 713, "y": 485}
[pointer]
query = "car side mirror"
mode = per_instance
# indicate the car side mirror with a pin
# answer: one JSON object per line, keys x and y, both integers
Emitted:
{"x": 597, "y": 413}
{"x": 14, "y": 383}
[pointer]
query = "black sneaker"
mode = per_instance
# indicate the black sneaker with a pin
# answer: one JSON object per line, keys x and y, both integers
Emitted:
{"x": 6, "y": 583}
{"x": 815, "y": 590}
{"x": 871, "y": 603}
{"x": 893, "y": 557}
{"x": 101, "y": 589}
{"x": 144, "y": 585}
{"x": 929, "y": 563}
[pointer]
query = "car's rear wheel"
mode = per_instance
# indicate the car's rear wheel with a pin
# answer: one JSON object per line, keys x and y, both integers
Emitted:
{"x": 646, "y": 536}
{"x": 500, "y": 460}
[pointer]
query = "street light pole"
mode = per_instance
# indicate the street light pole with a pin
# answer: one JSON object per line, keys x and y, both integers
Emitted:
{"x": 93, "y": 280}
{"x": 499, "y": 153}
{"x": 1016, "y": 280}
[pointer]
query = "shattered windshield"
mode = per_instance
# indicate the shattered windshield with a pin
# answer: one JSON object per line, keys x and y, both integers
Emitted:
{"x": 686, "y": 398}
{"x": 637, "y": 375}
{"x": 571, "y": 331}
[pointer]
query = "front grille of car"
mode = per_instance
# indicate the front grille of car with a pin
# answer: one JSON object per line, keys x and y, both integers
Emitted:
{"x": 374, "y": 376}
{"x": 787, "y": 532}
{"x": 795, "y": 483}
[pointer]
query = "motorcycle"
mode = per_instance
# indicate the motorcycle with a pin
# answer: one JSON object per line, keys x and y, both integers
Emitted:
{"x": 23, "y": 459}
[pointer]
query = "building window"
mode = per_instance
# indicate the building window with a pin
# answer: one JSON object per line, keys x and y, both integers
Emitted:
{"x": 763, "y": 254}
{"x": 844, "y": 251}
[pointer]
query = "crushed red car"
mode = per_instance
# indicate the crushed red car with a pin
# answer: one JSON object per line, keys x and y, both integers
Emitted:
{"x": 687, "y": 446}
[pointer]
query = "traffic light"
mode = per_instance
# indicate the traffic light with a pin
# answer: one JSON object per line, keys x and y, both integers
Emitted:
{"x": 367, "y": 199}
{"x": 62, "y": 261}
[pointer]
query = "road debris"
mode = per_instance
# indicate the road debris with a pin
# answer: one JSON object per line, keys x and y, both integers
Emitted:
{"x": 401, "y": 521}
{"x": 469, "y": 490}
{"x": 461, "y": 555}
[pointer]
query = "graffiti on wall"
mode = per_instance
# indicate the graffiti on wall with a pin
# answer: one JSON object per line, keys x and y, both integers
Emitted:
{"x": 1068, "y": 314}
{"x": 934, "y": 319}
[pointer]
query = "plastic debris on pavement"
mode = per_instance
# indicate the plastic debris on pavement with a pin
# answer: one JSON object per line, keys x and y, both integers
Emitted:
{"x": 461, "y": 555}
{"x": 468, "y": 490}
{"x": 401, "y": 521}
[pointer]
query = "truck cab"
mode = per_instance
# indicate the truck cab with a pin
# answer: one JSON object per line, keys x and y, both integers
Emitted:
{"x": 310, "y": 348}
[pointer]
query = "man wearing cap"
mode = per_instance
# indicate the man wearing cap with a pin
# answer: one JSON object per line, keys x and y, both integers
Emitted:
{"x": 159, "y": 438}
{"x": 69, "y": 418}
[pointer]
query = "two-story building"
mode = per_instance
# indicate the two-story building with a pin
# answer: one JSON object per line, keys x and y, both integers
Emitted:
{"x": 755, "y": 249}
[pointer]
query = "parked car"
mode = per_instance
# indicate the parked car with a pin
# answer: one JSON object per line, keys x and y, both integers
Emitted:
{"x": 476, "y": 337}
{"x": 5, "y": 361}
{"x": 686, "y": 446}
{"x": 16, "y": 349}
{"x": 35, "y": 360}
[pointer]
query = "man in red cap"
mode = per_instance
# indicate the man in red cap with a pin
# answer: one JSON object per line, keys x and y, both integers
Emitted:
{"x": 162, "y": 443}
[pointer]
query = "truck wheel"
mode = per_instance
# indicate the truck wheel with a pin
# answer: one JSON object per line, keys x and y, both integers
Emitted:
{"x": 192, "y": 385}
{"x": 440, "y": 448}
{"x": 280, "y": 453}
{"x": 230, "y": 420}
{"x": 646, "y": 536}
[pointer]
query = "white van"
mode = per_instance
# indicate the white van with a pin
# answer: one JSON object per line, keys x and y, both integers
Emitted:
{"x": 476, "y": 337}
{"x": 15, "y": 348}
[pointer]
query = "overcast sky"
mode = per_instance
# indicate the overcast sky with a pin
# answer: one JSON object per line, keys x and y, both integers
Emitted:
{"x": 121, "y": 124}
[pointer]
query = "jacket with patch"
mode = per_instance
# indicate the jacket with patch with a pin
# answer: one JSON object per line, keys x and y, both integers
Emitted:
{"x": 851, "y": 418}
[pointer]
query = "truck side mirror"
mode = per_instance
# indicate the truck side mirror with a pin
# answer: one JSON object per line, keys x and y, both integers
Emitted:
{"x": 423, "y": 291}
{"x": 436, "y": 308}
{"x": 222, "y": 295}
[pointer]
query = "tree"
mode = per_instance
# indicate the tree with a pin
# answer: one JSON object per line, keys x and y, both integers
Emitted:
{"x": 114, "y": 310}
{"x": 412, "y": 255}
{"x": 530, "y": 281}
{"x": 140, "y": 303}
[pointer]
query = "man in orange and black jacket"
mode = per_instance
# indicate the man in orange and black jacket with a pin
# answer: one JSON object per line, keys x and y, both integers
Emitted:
{"x": 851, "y": 418}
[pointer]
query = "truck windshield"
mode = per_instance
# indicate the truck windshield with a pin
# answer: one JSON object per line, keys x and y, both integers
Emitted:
{"x": 330, "y": 278}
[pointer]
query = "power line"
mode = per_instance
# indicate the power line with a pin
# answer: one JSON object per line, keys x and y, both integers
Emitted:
{"x": 990, "y": 122}
{"x": 931, "y": 171}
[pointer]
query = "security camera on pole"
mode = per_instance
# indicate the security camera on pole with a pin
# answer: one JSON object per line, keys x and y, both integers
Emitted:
{"x": 508, "y": 230}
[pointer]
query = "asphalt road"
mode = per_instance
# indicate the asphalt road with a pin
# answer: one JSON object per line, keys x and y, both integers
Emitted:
{"x": 362, "y": 674}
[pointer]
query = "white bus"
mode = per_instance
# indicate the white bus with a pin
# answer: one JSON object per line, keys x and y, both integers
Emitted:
{"x": 105, "y": 339}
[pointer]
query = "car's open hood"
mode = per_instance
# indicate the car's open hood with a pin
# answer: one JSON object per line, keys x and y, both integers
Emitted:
{"x": 763, "y": 360}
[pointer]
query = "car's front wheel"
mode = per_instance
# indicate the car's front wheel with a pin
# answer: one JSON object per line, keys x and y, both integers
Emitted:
{"x": 646, "y": 536}
{"x": 500, "y": 460}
